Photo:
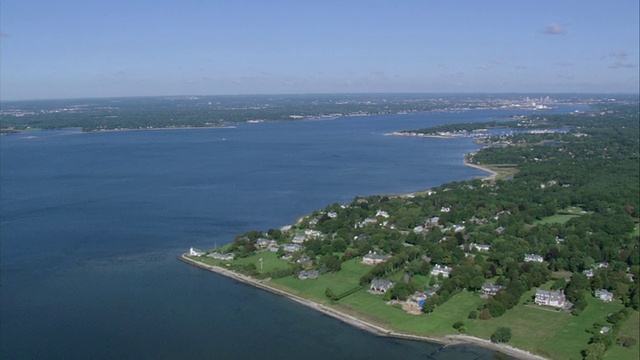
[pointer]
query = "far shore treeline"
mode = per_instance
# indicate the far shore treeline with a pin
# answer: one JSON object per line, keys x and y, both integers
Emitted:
{"x": 210, "y": 111}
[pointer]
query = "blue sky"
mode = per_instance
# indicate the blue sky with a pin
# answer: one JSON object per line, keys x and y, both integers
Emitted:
{"x": 69, "y": 49}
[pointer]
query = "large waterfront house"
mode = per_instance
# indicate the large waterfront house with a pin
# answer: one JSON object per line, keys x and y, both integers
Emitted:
{"x": 311, "y": 274}
{"x": 372, "y": 258}
{"x": 551, "y": 298}
{"x": 381, "y": 285}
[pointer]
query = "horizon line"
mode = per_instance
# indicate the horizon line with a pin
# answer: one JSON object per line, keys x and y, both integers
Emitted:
{"x": 320, "y": 93}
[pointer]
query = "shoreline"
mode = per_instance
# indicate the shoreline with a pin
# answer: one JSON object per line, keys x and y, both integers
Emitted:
{"x": 492, "y": 174}
{"x": 447, "y": 340}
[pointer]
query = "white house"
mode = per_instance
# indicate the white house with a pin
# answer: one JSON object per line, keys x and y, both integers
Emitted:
{"x": 292, "y": 248}
{"x": 589, "y": 273}
{"x": 372, "y": 258}
{"x": 480, "y": 247}
{"x": 299, "y": 239}
{"x": 441, "y": 269}
{"x": 196, "y": 252}
{"x": 220, "y": 256}
{"x": 533, "y": 257}
{"x": 604, "y": 295}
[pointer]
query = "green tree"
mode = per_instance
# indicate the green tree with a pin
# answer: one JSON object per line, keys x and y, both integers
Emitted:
{"x": 502, "y": 335}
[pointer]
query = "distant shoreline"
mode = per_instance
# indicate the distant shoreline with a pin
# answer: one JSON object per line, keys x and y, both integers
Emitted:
{"x": 448, "y": 340}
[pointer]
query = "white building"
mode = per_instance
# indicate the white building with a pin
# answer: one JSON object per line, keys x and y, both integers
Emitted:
{"x": 440, "y": 269}
{"x": 373, "y": 259}
{"x": 533, "y": 257}
{"x": 196, "y": 252}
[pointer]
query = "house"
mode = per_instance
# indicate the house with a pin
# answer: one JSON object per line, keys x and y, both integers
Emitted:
{"x": 414, "y": 303}
{"x": 533, "y": 257}
{"x": 490, "y": 289}
{"x": 589, "y": 273}
{"x": 603, "y": 265}
{"x": 551, "y": 298}
{"x": 382, "y": 213}
{"x": 262, "y": 243}
{"x": 292, "y": 248}
{"x": 480, "y": 247}
{"x": 445, "y": 209}
{"x": 365, "y": 222}
{"x": 274, "y": 248}
{"x": 196, "y": 252}
{"x": 312, "y": 234}
{"x": 374, "y": 259}
{"x": 299, "y": 239}
{"x": 311, "y": 274}
{"x": 220, "y": 256}
{"x": 440, "y": 269}
{"x": 604, "y": 295}
{"x": 381, "y": 285}
{"x": 332, "y": 214}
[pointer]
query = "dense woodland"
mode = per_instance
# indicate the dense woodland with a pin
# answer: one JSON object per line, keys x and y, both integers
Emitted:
{"x": 590, "y": 174}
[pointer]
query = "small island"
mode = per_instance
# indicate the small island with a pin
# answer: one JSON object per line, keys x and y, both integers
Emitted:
{"x": 540, "y": 260}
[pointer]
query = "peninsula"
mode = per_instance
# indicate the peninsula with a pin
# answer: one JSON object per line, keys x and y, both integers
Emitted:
{"x": 541, "y": 263}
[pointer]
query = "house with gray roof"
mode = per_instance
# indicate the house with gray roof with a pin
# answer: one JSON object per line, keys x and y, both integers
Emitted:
{"x": 381, "y": 285}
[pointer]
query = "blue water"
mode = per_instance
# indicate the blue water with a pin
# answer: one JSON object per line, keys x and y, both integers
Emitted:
{"x": 91, "y": 226}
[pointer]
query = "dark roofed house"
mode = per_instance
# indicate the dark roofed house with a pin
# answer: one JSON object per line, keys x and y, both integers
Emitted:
{"x": 381, "y": 285}
{"x": 311, "y": 274}
{"x": 490, "y": 289}
{"x": 551, "y": 298}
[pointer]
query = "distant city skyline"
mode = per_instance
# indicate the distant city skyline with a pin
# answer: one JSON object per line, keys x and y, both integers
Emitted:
{"x": 80, "y": 49}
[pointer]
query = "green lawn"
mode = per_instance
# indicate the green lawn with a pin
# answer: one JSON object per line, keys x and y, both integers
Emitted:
{"x": 630, "y": 328}
{"x": 343, "y": 281}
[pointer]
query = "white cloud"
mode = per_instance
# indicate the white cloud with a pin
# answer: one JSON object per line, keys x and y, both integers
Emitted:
{"x": 554, "y": 29}
{"x": 622, "y": 65}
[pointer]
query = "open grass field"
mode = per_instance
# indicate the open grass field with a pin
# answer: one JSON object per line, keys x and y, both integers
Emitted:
{"x": 343, "y": 281}
{"x": 630, "y": 328}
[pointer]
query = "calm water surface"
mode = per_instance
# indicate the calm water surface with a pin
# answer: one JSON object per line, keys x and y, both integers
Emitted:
{"x": 91, "y": 226}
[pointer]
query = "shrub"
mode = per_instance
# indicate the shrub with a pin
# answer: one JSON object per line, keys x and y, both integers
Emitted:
{"x": 485, "y": 314}
{"x": 473, "y": 314}
{"x": 627, "y": 341}
{"x": 502, "y": 335}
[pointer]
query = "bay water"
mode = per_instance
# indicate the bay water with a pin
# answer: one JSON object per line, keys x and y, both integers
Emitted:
{"x": 91, "y": 226}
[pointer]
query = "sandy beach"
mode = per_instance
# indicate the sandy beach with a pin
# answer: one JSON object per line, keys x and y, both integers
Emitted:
{"x": 361, "y": 324}
{"x": 492, "y": 173}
